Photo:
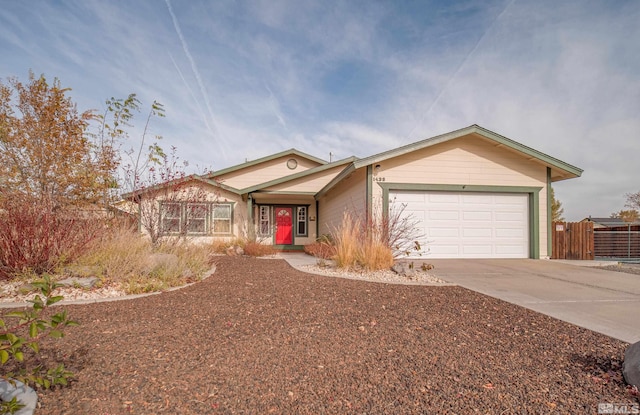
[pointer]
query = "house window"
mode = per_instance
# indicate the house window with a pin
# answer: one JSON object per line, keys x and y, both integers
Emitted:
{"x": 195, "y": 218}
{"x": 221, "y": 217}
{"x": 196, "y": 215}
{"x": 265, "y": 220}
{"x": 302, "y": 221}
{"x": 171, "y": 217}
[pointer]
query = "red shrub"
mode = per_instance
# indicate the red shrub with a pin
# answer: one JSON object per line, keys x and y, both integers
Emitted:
{"x": 36, "y": 236}
{"x": 322, "y": 250}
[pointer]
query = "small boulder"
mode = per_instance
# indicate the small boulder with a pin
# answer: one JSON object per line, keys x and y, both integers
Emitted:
{"x": 88, "y": 282}
{"x": 405, "y": 269}
{"x": 631, "y": 365}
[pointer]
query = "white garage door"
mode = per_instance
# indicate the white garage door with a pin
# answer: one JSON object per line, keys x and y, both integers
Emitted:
{"x": 468, "y": 225}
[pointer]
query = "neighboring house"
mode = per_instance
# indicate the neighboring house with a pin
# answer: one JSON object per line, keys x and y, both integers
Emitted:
{"x": 606, "y": 222}
{"x": 474, "y": 194}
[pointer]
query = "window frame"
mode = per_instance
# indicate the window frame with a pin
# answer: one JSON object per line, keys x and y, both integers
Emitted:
{"x": 184, "y": 218}
{"x": 214, "y": 219}
{"x": 304, "y": 220}
{"x": 206, "y": 218}
{"x": 265, "y": 220}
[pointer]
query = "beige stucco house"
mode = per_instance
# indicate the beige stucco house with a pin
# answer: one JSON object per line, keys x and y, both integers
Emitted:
{"x": 471, "y": 192}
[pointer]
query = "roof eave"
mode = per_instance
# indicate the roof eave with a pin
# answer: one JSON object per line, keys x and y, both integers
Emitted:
{"x": 299, "y": 175}
{"x": 291, "y": 151}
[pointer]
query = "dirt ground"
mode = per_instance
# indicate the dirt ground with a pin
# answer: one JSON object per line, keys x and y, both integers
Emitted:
{"x": 261, "y": 337}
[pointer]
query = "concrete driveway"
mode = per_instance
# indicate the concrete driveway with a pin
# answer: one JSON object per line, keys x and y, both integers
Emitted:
{"x": 604, "y": 301}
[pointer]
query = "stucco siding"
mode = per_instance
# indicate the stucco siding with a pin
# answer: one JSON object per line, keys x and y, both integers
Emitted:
{"x": 349, "y": 194}
{"x": 264, "y": 172}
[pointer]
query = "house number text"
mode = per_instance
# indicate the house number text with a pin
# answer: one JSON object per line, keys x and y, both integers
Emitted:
{"x": 378, "y": 179}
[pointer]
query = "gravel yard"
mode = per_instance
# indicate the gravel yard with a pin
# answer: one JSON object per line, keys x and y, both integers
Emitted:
{"x": 261, "y": 337}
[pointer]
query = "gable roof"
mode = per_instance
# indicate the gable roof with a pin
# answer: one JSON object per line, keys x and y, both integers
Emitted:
{"x": 295, "y": 176}
{"x": 290, "y": 152}
{"x": 571, "y": 171}
{"x": 563, "y": 170}
{"x": 177, "y": 182}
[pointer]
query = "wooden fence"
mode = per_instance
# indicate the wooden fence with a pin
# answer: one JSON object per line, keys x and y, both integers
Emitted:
{"x": 572, "y": 240}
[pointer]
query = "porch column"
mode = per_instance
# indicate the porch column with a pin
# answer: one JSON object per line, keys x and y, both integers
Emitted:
{"x": 250, "y": 225}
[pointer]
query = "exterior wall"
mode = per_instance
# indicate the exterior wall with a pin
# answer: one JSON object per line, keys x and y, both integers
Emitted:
{"x": 290, "y": 202}
{"x": 264, "y": 172}
{"x": 198, "y": 191}
{"x": 349, "y": 194}
{"x": 470, "y": 160}
{"x": 313, "y": 183}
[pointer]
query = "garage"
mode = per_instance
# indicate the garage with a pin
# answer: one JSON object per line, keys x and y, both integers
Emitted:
{"x": 467, "y": 224}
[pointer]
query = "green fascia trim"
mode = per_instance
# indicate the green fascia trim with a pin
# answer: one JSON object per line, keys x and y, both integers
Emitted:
{"x": 549, "y": 213}
{"x": 298, "y": 175}
{"x": 290, "y": 152}
{"x": 194, "y": 177}
{"x": 279, "y": 192}
{"x": 551, "y": 161}
{"x": 534, "y": 202}
{"x": 344, "y": 173}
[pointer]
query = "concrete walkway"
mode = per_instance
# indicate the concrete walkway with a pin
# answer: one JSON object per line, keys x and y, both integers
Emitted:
{"x": 604, "y": 301}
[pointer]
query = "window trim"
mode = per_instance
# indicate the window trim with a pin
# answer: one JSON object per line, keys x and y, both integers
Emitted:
{"x": 183, "y": 218}
{"x": 305, "y": 220}
{"x": 214, "y": 219}
{"x": 268, "y": 220}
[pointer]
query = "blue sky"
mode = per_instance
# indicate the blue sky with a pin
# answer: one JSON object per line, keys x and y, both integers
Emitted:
{"x": 241, "y": 80}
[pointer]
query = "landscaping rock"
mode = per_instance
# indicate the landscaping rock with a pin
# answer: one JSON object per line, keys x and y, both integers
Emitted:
{"x": 404, "y": 268}
{"x": 22, "y": 392}
{"x": 88, "y": 282}
{"x": 83, "y": 271}
{"x": 26, "y": 289}
{"x": 631, "y": 365}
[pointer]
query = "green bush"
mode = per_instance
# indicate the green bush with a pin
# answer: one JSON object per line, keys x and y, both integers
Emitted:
{"x": 20, "y": 342}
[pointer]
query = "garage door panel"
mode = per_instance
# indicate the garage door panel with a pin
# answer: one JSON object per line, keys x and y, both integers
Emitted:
{"x": 476, "y": 232}
{"x": 436, "y": 215}
{"x": 477, "y": 250}
{"x": 470, "y": 225}
{"x": 442, "y": 198}
{"x": 436, "y": 232}
{"x": 476, "y": 215}
{"x": 477, "y": 199}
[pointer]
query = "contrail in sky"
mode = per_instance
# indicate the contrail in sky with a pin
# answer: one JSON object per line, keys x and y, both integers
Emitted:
{"x": 186, "y": 84}
{"x": 194, "y": 68}
{"x": 457, "y": 71}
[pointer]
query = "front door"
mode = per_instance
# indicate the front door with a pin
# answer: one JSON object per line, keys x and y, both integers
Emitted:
{"x": 284, "y": 228}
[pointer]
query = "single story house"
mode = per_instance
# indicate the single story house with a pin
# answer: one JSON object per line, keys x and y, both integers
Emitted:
{"x": 606, "y": 222}
{"x": 472, "y": 193}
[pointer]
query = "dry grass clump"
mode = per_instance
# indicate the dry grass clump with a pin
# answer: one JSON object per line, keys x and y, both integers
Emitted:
{"x": 256, "y": 249}
{"x": 250, "y": 247}
{"x": 322, "y": 248}
{"x": 359, "y": 247}
{"x": 126, "y": 259}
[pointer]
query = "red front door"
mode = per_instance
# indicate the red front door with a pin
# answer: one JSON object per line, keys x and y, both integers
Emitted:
{"x": 283, "y": 226}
